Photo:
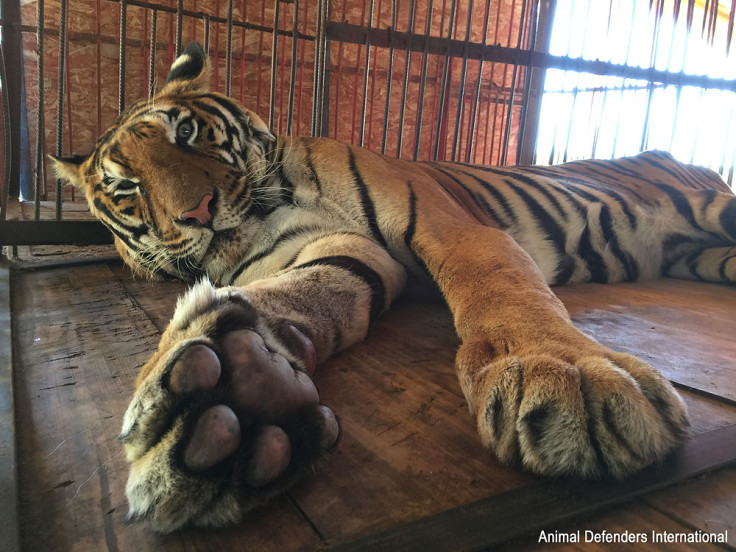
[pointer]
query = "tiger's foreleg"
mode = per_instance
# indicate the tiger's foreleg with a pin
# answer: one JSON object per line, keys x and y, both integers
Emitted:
{"x": 542, "y": 392}
{"x": 225, "y": 414}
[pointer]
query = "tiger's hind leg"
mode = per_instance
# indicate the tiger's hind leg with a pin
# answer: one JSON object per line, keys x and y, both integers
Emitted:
{"x": 709, "y": 264}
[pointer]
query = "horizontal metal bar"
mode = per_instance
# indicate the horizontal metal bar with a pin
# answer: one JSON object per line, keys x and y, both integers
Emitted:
{"x": 355, "y": 34}
{"x": 213, "y": 18}
{"x": 508, "y": 515}
{"x": 73, "y": 36}
{"x": 54, "y": 232}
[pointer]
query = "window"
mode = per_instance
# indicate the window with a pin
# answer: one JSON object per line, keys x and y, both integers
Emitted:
{"x": 590, "y": 115}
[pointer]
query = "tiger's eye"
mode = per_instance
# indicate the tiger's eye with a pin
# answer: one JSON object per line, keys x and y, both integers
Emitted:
{"x": 184, "y": 130}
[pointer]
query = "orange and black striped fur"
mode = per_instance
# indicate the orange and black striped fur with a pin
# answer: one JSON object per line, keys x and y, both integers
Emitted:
{"x": 305, "y": 241}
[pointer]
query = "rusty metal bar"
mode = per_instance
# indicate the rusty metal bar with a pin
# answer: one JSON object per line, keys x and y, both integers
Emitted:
{"x": 301, "y": 71}
{"x": 121, "y": 66}
{"x": 319, "y": 69}
{"x": 179, "y": 17}
{"x": 274, "y": 62}
{"x": 422, "y": 83}
{"x": 407, "y": 64}
{"x": 229, "y": 49}
{"x": 365, "y": 74}
{"x": 476, "y": 99}
{"x": 207, "y": 24}
{"x": 389, "y": 75}
{"x": 292, "y": 78}
{"x": 41, "y": 122}
{"x": 463, "y": 75}
{"x": 195, "y": 14}
{"x": 445, "y": 74}
{"x": 152, "y": 56}
{"x": 60, "y": 100}
{"x": 355, "y": 34}
{"x": 507, "y": 133}
{"x": 527, "y": 88}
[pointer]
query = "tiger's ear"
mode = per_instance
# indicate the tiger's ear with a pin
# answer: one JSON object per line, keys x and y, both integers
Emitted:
{"x": 70, "y": 169}
{"x": 190, "y": 72}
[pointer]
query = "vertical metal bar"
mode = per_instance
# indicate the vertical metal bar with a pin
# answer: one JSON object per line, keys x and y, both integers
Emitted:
{"x": 60, "y": 100}
{"x": 436, "y": 118}
{"x": 41, "y": 112}
{"x": 510, "y": 116}
{"x": 13, "y": 91}
{"x": 504, "y": 91}
{"x": 98, "y": 52}
{"x": 152, "y": 56}
{"x": 476, "y": 98}
{"x": 373, "y": 81}
{"x": 389, "y": 75}
{"x": 729, "y": 125}
{"x": 259, "y": 58}
{"x": 423, "y": 82}
{"x": 494, "y": 119}
{"x": 576, "y": 91}
{"x": 229, "y": 50}
{"x": 525, "y": 107}
{"x": 8, "y": 149}
{"x": 356, "y": 79}
{"x": 626, "y": 60}
{"x": 405, "y": 88}
{"x": 653, "y": 57}
{"x": 301, "y": 72}
{"x": 324, "y": 86}
{"x": 274, "y": 53}
{"x": 463, "y": 74}
{"x": 179, "y": 14}
{"x": 243, "y": 14}
{"x": 216, "y": 53}
{"x": 144, "y": 54}
{"x": 487, "y": 144}
{"x": 443, "y": 89}
{"x": 317, "y": 80}
{"x": 365, "y": 74}
{"x": 194, "y": 23}
{"x": 121, "y": 65}
{"x": 679, "y": 86}
{"x": 338, "y": 78}
{"x": 207, "y": 34}
{"x": 70, "y": 130}
{"x": 292, "y": 79}
{"x": 544, "y": 13}
{"x": 282, "y": 84}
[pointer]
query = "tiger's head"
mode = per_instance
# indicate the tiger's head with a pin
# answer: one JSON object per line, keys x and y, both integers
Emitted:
{"x": 176, "y": 176}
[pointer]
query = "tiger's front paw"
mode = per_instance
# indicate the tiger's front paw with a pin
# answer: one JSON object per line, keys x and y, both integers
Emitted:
{"x": 222, "y": 422}
{"x": 606, "y": 414}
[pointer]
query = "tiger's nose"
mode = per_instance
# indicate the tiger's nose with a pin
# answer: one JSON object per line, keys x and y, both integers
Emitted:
{"x": 200, "y": 214}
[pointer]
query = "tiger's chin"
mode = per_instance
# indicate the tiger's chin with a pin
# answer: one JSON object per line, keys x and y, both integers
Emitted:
{"x": 224, "y": 252}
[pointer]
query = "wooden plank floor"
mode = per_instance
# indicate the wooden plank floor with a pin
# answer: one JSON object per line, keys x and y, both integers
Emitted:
{"x": 408, "y": 447}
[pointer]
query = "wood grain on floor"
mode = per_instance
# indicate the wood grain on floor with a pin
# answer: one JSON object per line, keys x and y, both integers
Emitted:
{"x": 408, "y": 447}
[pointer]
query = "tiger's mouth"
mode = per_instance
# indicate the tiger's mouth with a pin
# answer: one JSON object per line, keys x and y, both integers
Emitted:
{"x": 220, "y": 238}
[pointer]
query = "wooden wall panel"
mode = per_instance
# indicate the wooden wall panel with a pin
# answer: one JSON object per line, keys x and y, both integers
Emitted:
{"x": 93, "y": 31}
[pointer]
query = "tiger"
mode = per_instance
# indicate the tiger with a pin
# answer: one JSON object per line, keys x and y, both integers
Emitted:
{"x": 295, "y": 246}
